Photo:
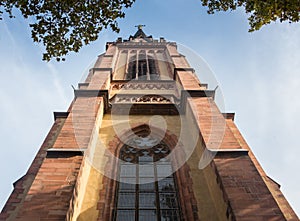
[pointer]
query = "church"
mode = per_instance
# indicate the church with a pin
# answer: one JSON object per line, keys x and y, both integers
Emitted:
{"x": 143, "y": 140}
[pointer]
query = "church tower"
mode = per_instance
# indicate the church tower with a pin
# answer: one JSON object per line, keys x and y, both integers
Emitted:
{"x": 143, "y": 140}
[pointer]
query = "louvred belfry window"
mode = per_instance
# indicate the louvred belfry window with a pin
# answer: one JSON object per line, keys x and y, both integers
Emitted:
{"x": 142, "y": 66}
{"x": 147, "y": 188}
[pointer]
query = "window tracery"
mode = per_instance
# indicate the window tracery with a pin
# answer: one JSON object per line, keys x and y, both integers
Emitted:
{"x": 142, "y": 66}
{"x": 146, "y": 191}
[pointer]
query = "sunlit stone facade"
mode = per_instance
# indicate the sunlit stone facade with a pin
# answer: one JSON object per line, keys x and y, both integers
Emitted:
{"x": 144, "y": 140}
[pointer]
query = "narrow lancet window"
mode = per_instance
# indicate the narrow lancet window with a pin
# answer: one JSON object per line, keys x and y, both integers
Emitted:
{"x": 152, "y": 68}
{"x": 131, "y": 73}
{"x": 142, "y": 64}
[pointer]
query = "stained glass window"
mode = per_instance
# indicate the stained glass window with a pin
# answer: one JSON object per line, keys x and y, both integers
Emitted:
{"x": 146, "y": 190}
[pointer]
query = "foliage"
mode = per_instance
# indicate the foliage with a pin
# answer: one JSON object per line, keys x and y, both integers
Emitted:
{"x": 66, "y": 25}
{"x": 261, "y": 12}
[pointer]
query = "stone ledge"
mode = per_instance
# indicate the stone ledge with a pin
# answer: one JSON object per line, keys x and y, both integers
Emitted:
{"x": 143, "y": 44}
{"x": 229, "y": 116}
{"x": 64, "y": 153}
{"x": 146, "y": 109}
{"x": 204, "y": 85}
{"x": 176, "y": 106}
{"x": 101, "y": 69}
{"x": 273, "y": 181}
{"x": 182, "y": 69}
{"x": 65, "y": 150}
{"x": 85, "y": 85}
{"x": 90, "y": 93}
{"x": 201, "y": 93}
{"x": 230, "y": 152}
{"x": 177, "y": 56}
{"x": 60, "y": 115}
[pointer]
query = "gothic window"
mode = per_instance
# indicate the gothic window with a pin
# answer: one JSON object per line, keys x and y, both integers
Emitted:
{"x": 152, "y": 68}
{"x": 147, "y": 188}
{"x": 131, "y": 74}
{"x": 142, "y": 67}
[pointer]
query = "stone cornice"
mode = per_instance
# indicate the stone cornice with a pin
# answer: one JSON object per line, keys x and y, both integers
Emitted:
{"x": 60, "y": 115}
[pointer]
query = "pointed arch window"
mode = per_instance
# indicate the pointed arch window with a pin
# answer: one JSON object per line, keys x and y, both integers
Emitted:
{"x": 142, "y": 66}
{"x": 147, "y": 188}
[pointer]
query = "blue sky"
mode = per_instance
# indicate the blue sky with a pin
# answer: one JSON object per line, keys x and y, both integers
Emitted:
{"x": 258, "y": 74}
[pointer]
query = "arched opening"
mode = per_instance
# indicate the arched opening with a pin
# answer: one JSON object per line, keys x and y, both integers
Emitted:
{"x": 142, "y": 67}
{"x": 131, "y": 73}
{"x": 153, "y": 69}
{"x": 146, "y": 188}
{"x": 109, "y": 195}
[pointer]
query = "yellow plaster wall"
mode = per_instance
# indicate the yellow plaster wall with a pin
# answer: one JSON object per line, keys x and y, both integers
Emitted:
{"x": 211, "y": 205}
{"x": 90, "y": 179}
